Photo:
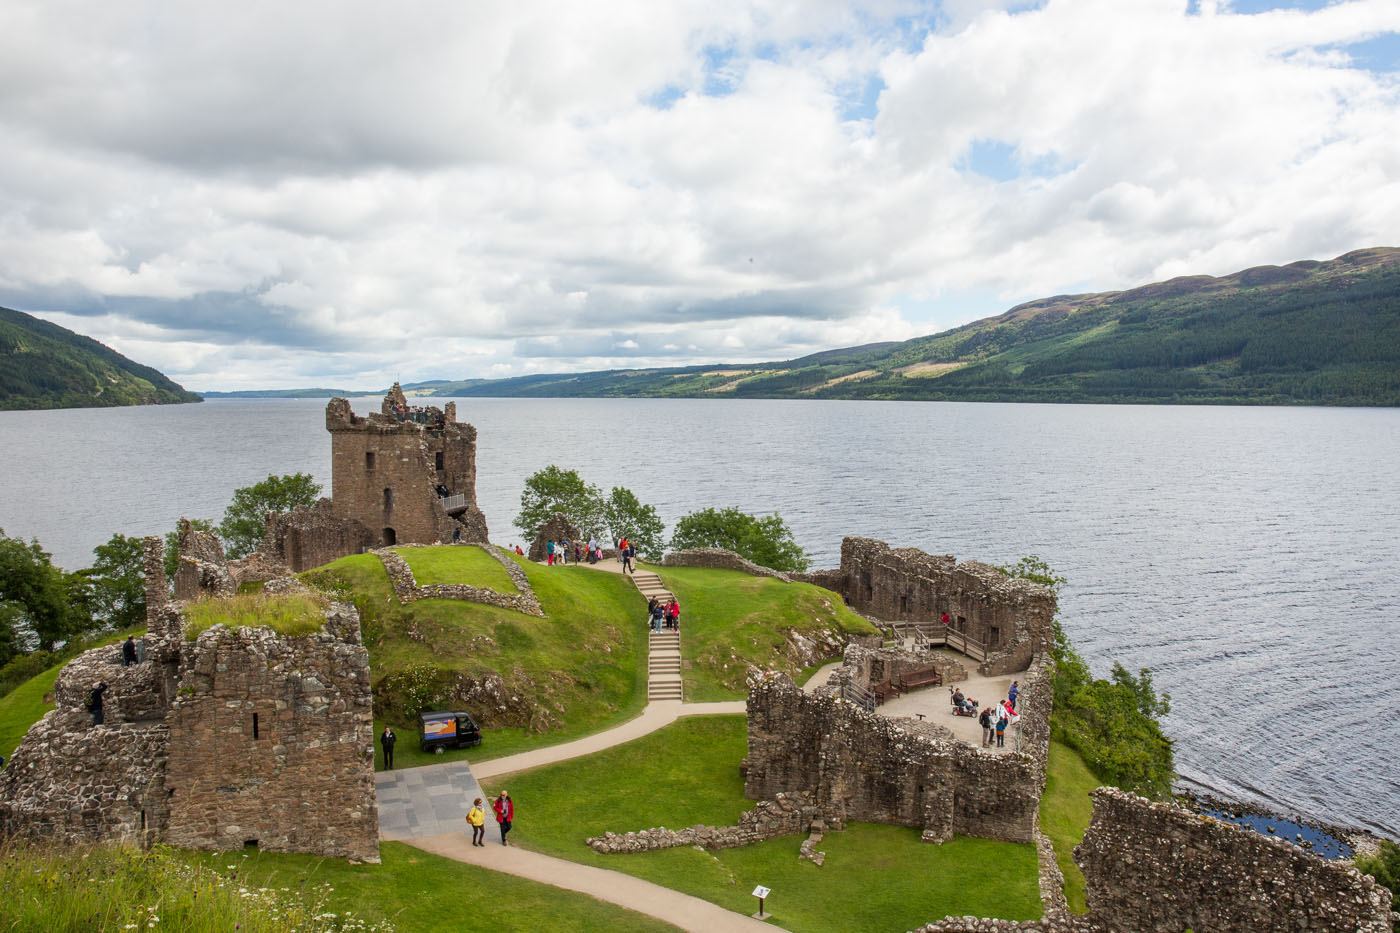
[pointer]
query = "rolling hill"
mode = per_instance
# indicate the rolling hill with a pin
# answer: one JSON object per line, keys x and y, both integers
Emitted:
{"x": 1308, "y": 333}
{"x": 43, "y": 365}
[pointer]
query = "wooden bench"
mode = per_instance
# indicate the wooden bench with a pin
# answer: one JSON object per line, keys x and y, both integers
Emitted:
{"x": 883, "y": 691}
{"x": 913, "y": 680}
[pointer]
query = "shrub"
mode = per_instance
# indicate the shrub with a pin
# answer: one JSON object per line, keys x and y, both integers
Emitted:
{"x": 764, "y": 539}
{"x": 1384, "y": 866}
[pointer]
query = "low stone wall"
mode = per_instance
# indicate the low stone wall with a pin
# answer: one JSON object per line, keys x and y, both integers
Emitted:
{"x": 1159, "y": 868}
{"x": 784, "y": 815}
{"x": 862, "y": 766}
{"x": 720, "y": 559}
{"x": 409, "y": 590}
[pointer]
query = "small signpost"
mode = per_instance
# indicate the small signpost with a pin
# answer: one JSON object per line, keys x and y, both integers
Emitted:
{"x": 761, "y": 893}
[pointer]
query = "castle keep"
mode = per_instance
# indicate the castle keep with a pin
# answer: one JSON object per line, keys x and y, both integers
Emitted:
{"x": 402, "y": 475}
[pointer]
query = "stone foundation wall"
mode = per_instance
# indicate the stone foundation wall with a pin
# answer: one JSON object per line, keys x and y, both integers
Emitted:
{"x": 1154, "y": 868}
{"x": 721, "y": 559}
{"x": 865, "y": 667}
{"x": 862, "y": 766}
{"x": 407, "y": 588}
{"x": 297, "y": 778}
{"x": 784, "y": 815}
{"x": 310, "y": 537}
{"x": 1011, "y": 616}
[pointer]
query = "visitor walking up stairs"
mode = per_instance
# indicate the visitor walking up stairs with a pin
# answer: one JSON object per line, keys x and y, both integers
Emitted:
{"x": 664, "y": 647}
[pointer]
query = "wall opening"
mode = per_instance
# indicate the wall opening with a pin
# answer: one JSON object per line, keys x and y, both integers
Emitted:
{"x": 388, "y": 499}
{"x": 437, "y": 460}
{"x": 390, "y": 538}
{"x": 993, "y": 637}
{"x": 250, "y": 843}
{"x": 962, "y": 624}
{"x": 255, "y": 725}
{"x": 903, "y": 602}
{"x": 369, "y": 461}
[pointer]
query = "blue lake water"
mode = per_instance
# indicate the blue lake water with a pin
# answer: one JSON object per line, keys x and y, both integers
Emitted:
{"x": 1247, "y": 555}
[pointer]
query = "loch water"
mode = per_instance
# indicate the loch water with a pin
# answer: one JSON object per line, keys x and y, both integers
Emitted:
{"x": 1249, "y": 556}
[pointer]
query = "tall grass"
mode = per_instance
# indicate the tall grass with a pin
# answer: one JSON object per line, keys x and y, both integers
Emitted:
{"x": 114, "y": 888}
{"x": 286, "y": 615}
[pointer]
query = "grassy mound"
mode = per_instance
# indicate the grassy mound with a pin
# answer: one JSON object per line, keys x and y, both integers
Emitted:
{"x": 456, "y": 565}
{"x": 24, "y": 706}
{"x": 1065, "y": 810}
{"x": 286, "y": 615}
{"x": 875, "y": 877}
{"x": 730, "y": 619}
{"x": 579, "y": 669}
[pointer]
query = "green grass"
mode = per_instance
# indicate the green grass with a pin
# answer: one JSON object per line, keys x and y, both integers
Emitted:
{"x": 448, "y": 564}
{"x": 875, "y": 877}
{"x": 579, "y": 669}
{"x": 287, "y": 615}
{"x": 24, "y": 706}
{"x": 730, "y": 619}
{"x": 1065, "y": 810}
{"x": 417, "y": 891}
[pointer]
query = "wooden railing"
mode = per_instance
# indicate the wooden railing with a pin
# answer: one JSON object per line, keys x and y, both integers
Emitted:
{"x": 859, "y": 696}
{"x": 937, "y": 635}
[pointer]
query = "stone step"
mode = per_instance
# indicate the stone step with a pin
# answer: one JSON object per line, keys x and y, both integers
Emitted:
{"x": 672, "y": 668}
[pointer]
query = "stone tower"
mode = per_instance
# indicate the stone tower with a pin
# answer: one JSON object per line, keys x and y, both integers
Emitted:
{"x": 407, "y": 473}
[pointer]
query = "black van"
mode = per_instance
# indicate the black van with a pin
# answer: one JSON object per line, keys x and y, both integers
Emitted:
{"x": 441, "y": 730}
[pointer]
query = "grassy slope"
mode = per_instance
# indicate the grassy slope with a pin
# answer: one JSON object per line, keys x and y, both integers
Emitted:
{"x": 585, "y": 660}
{"x": 24, "y": 706}
{"x": 418, "y": 891}
{"x": 1065, "y": 810}
{"x": 875, "y": 877}
{"x": 43, "y": 365}
{"x": 456, "y": 565}
{"x": 730, "y": 619}
{"x": 289, "y": 615}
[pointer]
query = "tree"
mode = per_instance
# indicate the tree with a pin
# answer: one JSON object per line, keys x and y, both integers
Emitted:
{"x": 627, "y": 516}
{"x": 117, "y": 579}
{"x": 765, "y": 539}
{"x": 556, "y": 490}
{"x": 40, "y": 595}
{"x": 172, "y": 546}
{"x": 244, "y": 520}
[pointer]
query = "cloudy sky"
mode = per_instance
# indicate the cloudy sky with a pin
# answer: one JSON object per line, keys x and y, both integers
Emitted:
{"x": 339, "y": 193}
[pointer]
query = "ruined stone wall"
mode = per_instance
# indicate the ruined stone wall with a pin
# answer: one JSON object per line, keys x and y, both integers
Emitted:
{"x": 310, "y": 537}
{"x": 861, "y": 766}
{"x": 300, "y": 777}
{"x": 1159, "y": 868}
{"x": 720, "y": 559}
{"x": 1010, "y": 616}
{"x": 866, "y": 666}
{"x": 557, "y": 529}
{"x": 384, "y": 470}
{"x": 408, "y": 589}
{"x": 784, "y": 815}
{"x": 202, "y": 569}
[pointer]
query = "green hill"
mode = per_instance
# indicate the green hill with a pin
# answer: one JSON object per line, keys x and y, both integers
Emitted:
{"x": 43, "y": 365}
{"x": 1308, "y": 333}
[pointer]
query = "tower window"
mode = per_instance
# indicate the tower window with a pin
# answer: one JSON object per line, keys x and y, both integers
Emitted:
{"x": 388, "y": 499}
{"x": 255, "y": 725}
{"x": 369, "y": 461}
{"x": 437, "y": 460}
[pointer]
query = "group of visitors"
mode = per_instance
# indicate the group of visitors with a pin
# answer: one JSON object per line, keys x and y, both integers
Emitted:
{"x": 503, "y": 807}
{"x": 663, "y": 615}
{"x": 563, "y": 551}
{"x": 996, "y": 719}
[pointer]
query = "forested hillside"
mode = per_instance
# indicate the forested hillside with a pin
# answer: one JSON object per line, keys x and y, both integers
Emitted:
{"x": 1313, "y": 333}
{"x": 43, "y": 365}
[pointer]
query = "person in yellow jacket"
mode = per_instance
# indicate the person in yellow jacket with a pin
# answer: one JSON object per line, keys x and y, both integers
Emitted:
{"x": 477, "y": 818}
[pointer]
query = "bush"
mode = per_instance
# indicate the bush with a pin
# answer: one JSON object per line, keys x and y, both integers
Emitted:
{"x": 1384, "y": 866}
{"x": 1112, "y": 724}
{"x": 766, "y": 540}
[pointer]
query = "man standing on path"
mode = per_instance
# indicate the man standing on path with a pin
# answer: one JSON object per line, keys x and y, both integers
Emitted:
{"x": 387, "y": 740}
{"x": 129, "y": 651}
{"x": 626, "y": 554}
{"x": 477, "y": 818}
{"x": 505, "y": 814}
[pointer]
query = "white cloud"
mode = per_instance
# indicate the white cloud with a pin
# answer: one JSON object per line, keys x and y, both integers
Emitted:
{"x": 336, "y": 192}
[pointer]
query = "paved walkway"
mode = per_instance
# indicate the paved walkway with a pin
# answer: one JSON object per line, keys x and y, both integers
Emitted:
{"x": 682, "y": 910}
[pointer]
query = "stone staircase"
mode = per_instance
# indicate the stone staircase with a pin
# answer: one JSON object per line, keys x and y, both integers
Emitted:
{"x": 664, "y": 647}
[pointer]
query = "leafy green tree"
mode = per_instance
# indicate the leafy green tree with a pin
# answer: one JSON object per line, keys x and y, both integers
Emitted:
{"x": 764, "y": 539}
{"x": 627, "y": 516}
{"x": 172, "y": 546}
{"x": 11, "y": 619}
{"x": 40, "y": 595}
{"x": 243, "y": 524}
{"x": 557, "y": 490}
{"x": 117, "y": 581}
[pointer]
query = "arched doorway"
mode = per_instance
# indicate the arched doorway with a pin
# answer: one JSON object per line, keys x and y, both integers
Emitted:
{"x": 390, "y": 538}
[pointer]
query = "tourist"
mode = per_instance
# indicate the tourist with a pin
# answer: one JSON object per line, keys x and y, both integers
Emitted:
{"x": 457, "y": 534}
{"x": 1013, "y": 692}
{"x": 658, "y": 613}
{"x": 944, "y": 619}
{"x": 563, "y": 551}
{"x": 1001, "y": 730}
{"x": 957, "y": 696}
{"x": 129, "y": 651}
{"x": 578, "y": 553}
{"x": 673, "y": 615}
{"x": 549, "y": 552}
{"x": 626, "y": 555}
{"x": 651, "y": 608}
{"x": 505, "y": 814}
{"x": 95, "y": 703}
{"x": 519, "y": 551}
{"x": 477, "y": 818}
{"x": 986, "y": 720}
{"x": 386, "y": 741}
{"x": 622, "y": 545}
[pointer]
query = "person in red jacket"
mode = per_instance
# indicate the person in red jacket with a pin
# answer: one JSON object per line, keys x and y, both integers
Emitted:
{"x": 673, "y": 615}
{"x": 505, "y": 814}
